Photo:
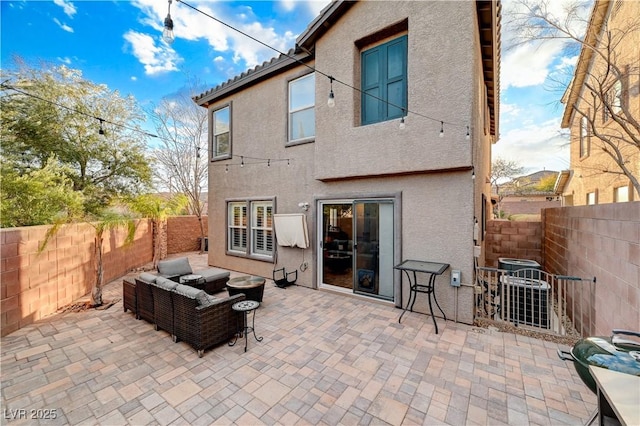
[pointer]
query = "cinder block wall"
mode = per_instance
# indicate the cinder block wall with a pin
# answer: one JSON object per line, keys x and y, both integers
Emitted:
{"x": 601, "y": 241}
{"x": 183, "y": 233}
{"x": 35, "y": 285}
{"x": 520, "y": 240}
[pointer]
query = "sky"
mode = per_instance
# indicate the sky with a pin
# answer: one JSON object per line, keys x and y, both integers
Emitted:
{"x": 119, "y": 43}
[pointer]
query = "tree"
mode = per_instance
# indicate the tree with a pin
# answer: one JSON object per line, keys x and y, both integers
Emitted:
{"x": 39, "y": 196}
{"x": 547, "y": 183}
{"x": 599, "y": 93}
{"x": 503, "y": 171}
{"x": 107, "y": 220}
{"x": 92, "y": 131}
{"x": 158, "y": 208}
{"x": 182, "y": 127}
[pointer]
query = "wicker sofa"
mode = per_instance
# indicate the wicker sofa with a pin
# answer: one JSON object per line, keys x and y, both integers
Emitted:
{"x": 213, "y": 279}
{"x": 187, "y": 313}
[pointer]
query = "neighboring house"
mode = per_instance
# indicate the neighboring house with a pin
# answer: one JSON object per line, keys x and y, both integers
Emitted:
{"x": 529, "y": 194}
{"x": 376, "y": 194}
{"x": 602, "y": 99}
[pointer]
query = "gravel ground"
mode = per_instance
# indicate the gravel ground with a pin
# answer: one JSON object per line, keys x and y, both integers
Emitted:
{"x": 504, "y": 327}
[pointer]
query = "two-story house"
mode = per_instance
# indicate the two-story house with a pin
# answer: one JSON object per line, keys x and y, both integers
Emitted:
{"x": 603, "y": 109}
{"x": 377, "y": 128}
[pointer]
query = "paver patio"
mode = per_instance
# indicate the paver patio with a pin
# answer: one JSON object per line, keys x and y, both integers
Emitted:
{"x": 325, "y": 359}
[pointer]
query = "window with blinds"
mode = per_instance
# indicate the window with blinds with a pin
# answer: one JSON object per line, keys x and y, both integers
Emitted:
{"x": 238, "y": 227}
{"x": 262, "y": 228}
{"x": 250, "y": 229}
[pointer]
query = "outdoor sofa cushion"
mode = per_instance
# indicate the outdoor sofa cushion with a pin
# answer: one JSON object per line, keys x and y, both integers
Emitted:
{"x": 150, "y": 278}
{"x": 213, "y": 274}
{"x": 174, "y": 267}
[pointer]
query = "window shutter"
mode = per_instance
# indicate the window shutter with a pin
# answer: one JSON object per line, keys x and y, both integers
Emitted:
{"x": 396, "y": 78}
{"x": 371, "y": 83}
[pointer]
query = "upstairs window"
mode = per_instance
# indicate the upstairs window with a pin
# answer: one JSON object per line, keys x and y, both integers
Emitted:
{"x": 384, "y": 81}
{"x": 221, "y": 137}
{"x": 584, "y": 137}
{"x": 302, "y": 114}
{"x": 613, "y": 101}
{"x": 592, "y": 198}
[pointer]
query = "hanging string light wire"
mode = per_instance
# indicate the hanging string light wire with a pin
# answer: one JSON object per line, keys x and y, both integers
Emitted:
{"x": 330, "y": 77}
{"x": 101, "y": 130}
{"x": 100, "y": 119}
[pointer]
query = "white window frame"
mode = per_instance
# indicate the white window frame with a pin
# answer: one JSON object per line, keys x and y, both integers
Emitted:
{"x": 301, "y": 108}
{"x": 621, "y": 194}
{"x": 584, "y": 137}
{"x": 262, "y": 228}
{"x": 215, "y": 134}
{"x": 258, "y": 232}
{"x": 592, "y": 198}
{"x": 233, "y": 226}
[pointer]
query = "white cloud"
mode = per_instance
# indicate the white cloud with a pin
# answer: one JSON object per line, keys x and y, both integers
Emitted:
{"x": 535, "y": 146}
{"x": 313, "y": 6}
{"x": 65, "y": 60}
{"x": 63, "y": 26}
{"x": 68, "y": 7}
{"x": 155, "y": 58}
{"x": 194, "y": 26}
{"x": 528, "y": 65}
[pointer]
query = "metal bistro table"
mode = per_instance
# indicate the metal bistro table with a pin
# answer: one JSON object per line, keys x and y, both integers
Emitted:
{"x": 433, "y": 269}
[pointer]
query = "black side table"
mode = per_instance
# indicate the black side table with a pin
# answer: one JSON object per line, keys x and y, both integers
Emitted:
{"x": 246, "y": 306}
{"x": 432, "y": 269}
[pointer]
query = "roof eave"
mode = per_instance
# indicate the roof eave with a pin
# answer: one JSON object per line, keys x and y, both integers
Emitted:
{"x": 596, "y": 22}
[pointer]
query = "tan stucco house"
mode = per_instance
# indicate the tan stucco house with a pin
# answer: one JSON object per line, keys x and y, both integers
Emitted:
{"x": 603, "y": 104}
{"x": 396, "y": 169}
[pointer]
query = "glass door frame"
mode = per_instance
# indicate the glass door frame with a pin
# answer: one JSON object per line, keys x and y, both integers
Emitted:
{"x": 396, "y": 200}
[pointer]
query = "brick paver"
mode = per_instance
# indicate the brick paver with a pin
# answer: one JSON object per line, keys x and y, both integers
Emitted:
{"x": 325, "y": 359}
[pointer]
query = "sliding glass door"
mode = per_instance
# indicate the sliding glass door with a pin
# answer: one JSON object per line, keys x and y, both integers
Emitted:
{"x": 357, "y": 246}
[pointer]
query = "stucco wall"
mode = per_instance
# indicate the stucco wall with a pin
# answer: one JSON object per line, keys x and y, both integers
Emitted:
{"x": 603, "y": 242}
{"x": 441, "y": 85}
{"x": 430, "y": 178}
{"x": 35, "y": 285}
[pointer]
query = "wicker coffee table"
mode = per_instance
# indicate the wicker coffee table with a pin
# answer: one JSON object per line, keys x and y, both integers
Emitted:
{"x": 252, "y": 287}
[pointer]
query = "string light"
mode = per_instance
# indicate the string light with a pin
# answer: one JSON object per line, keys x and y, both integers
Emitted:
{"x": 442, "y": 129}
{"x": 331, "y": 99}
{"x": 241, "y": 161}
{"x": 473, "y": 173}
{"x": 226, "y": 168}
{"x": 268, "y": 163}
{"x": 100, "y": 119}
{"x": 467, "y": 137}
{"x": 101, "y": 130}
{"x": 167, "y": 33}
{"x": 331, "y": 102}
{"x": 402, "y": 125}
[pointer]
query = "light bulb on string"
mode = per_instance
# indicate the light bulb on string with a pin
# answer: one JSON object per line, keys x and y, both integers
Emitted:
{"x": 167, "y": 33}
{"x": 402, "y": 124}
{"x": 226, "y": 168}
{"x": 331, "y": 102}
{"x": 241, "y": 161}
{"x": 101, "y": 130}
{"x": 468, "y": 136}
{"x": 268, "y": 162}
{"x": 442, "y": 129}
